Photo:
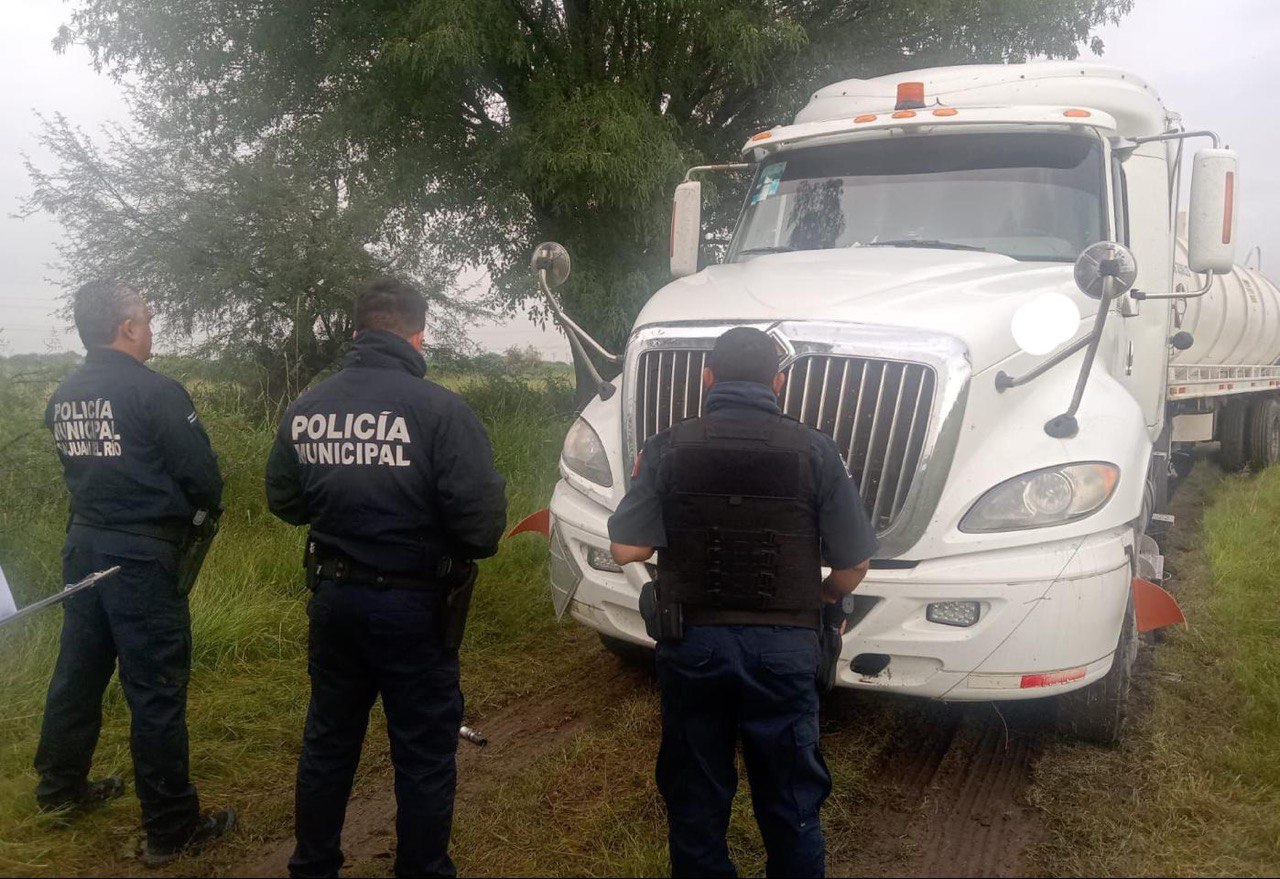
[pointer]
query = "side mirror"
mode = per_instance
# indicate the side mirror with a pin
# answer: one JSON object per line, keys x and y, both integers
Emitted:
{"x": 1211, "y": 216}
{"x": 1105, "y": 264}
{"x": 551, "y": 257}
{"x": 686, "y": 228}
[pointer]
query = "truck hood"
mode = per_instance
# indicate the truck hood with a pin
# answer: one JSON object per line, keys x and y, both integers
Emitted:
{"x": 970, "y": 295}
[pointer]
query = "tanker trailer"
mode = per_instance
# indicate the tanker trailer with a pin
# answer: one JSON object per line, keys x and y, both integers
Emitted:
{"x": 1224, "y": 385}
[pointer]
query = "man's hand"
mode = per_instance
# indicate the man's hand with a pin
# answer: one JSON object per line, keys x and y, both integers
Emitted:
{"x": 841, "y": 581}
{"x": 624, "y": 553}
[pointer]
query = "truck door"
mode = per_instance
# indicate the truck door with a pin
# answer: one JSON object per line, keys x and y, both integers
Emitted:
{"x": 1140, "y": 199}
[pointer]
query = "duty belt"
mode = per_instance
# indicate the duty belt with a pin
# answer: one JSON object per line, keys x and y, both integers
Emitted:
{"x": 345, "y": 570}
{"x": 696, "y": 615}
{"x": 169, "y": 532}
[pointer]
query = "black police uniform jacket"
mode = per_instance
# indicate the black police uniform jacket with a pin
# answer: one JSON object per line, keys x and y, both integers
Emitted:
{"x": 390, "y": 470}
{"x": 133, "y": 451}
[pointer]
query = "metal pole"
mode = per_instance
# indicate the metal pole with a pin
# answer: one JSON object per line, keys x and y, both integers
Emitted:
{"x": 58, "y": 597}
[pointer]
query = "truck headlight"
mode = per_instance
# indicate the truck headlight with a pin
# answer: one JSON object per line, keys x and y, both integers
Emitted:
{"x": 584, "y": 454}
{"x": 1051, "y": 496}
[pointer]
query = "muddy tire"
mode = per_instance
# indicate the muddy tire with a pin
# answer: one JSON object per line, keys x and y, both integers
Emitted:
{"x": 1233, "y": 436}
{"x": 1097, "y": 713}
{"x": 1264, "y": 433}
{"x": 631, "y": 654}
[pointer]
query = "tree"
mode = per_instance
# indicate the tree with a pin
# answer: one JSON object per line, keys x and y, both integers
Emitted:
{"x": 518, "y": 360}
{"x": 513, "y": 121}
{"x": 257, "y": 254}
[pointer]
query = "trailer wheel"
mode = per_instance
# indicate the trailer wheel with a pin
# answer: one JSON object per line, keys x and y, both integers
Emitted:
{"x": 1097, "y": 713}
{"x": 628, "y": 652}
{"x": 1264, "y": 433}
{"x": 1233, "y": 423}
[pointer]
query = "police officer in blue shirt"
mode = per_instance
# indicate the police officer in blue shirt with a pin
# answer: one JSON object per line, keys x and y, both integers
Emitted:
{"x": 139, "y": 468}
{"x": 743, "y": 505}
{"x": 395, "y": 477}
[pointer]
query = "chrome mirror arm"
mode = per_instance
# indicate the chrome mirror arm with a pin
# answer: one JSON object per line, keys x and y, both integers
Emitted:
{"x": 570, "y": 327}
{"x": 576, "y": 334}
{"x": 1185, "y": 294}
{"x": 1065, "y": 426}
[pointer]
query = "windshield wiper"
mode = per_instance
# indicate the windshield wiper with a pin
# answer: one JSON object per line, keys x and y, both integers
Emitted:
{"x": 777, "y": 248}
{"x": 924, "y": 242}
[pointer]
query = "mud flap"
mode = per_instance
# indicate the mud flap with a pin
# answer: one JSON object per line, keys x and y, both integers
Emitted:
{"x": 1154, "y": 607}
{"x": 539, "y": 522}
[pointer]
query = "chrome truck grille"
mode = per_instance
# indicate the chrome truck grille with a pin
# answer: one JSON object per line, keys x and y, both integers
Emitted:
{"x": 877, "y": 411}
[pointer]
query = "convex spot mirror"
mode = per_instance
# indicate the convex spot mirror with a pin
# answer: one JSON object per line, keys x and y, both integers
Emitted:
{"x": 551, "y": 257}
{"x": 1105, "y": 263}
{"x": 1211, "y": 215}
{"x": 686, "y": 228}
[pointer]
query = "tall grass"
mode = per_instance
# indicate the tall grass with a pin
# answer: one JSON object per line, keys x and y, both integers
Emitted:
{"x": 248, "y": 687}
{"x": 1195, "y": 789}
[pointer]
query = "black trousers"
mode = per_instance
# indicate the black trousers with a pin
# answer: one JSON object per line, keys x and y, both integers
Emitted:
{"x": 138, "y": 619}
{"x": 757, "y": 684}
{"x": 367, "y": 642}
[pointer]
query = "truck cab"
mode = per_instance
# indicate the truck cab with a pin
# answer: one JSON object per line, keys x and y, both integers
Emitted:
{"x": 913, "y": 244}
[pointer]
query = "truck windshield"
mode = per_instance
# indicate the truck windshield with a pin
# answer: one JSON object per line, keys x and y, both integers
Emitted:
{"x": 1028, "y": 195}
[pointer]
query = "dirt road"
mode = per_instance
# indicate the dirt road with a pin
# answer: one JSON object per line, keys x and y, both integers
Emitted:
{"x": 942, "y": 795}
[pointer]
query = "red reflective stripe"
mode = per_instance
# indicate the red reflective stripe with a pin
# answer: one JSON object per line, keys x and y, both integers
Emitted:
{"x": 1229, "y": 207}
{"x": 635, "y": 471}
{"x": 1050, "y": 678}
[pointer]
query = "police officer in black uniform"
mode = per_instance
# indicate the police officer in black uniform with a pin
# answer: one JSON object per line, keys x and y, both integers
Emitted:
{"x": 139, "y": 467}
{"x": 744, "y": 505}
{"x": 395, "y": 476}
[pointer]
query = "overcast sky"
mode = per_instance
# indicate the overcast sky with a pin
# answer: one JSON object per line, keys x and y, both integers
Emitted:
{"x": 1216, "y": 63}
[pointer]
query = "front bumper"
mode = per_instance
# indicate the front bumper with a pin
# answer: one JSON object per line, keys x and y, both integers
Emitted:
{"x": 1050, "y": 619}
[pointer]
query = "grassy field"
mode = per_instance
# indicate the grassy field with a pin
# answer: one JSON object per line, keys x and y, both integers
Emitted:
{"x": 1195, "y": 788}
{"x": 248, "y": 686}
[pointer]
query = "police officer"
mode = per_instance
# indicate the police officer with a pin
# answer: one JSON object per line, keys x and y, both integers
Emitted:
{"x": 139, "y": 467}
{"x": 744, "y": 505}
{"x": 395, "y": 476}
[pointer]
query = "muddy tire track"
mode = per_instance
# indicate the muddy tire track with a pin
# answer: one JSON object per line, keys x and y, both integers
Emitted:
{"x": 949, "y": 793}
{"x": 519, "y": 734}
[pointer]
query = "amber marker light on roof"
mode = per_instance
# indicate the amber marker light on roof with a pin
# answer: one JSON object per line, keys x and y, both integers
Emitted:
{"x": 904, "y": 114}
{"x": 910, "y": 96}
{"x": 865, "y": 117}
{"x": 1077, "y": 114}
{"x": 946, "y": 111}
{"x": 763, "y": 135}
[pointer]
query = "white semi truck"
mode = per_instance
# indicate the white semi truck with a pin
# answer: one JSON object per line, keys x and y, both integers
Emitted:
{"x": 1008, "y": 394}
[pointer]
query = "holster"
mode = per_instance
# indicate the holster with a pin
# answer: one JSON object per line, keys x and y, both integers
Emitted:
{"x": 459, "y": 584}
{"x": 195, "y": 547}
{"x": 311, "y": 565}
{"x": 663, "y": 620}
{"x": 833, "y": 617}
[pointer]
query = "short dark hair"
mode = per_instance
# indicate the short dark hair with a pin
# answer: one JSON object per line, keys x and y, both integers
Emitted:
{"x": 100, "y": 307}
{"x": 744, "y": 354}
{"x": 393, "y": 305}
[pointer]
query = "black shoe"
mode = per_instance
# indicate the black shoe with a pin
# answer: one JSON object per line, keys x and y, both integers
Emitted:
{"x": 211, "y": 827}
{"x": 94, "y": 795}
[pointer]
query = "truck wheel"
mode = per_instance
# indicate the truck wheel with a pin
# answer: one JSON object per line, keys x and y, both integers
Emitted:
{"x": 1097, "y": 713}
{"x": 1264, "y": 433}
{"x": 1233, "y": 421}
{"x": 629, "y": 653}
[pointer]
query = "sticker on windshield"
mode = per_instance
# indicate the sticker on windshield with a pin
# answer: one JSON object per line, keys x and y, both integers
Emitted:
{"x": 770, "y": 178}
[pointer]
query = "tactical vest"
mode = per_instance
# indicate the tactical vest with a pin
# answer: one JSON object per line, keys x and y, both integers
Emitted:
{"x": 740, "y": 510}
